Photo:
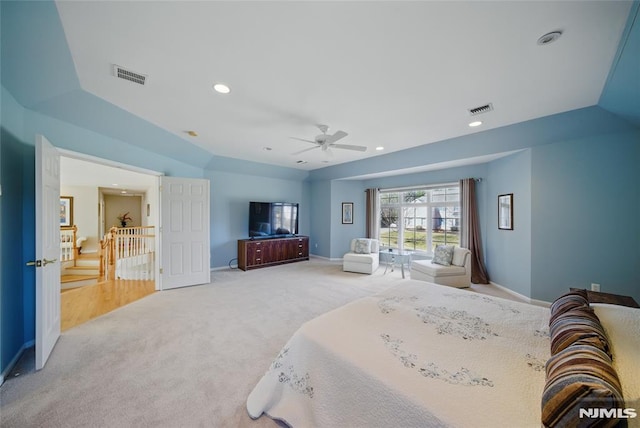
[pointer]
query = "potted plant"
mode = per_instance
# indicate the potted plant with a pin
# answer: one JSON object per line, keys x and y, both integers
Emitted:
{"x": 124, "y": 218}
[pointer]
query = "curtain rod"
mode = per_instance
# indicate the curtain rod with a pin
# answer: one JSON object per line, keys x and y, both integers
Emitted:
{"x": 424, "y": 186}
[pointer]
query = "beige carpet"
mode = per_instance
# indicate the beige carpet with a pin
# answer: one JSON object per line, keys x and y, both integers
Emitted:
{"x": 181, "y": 358}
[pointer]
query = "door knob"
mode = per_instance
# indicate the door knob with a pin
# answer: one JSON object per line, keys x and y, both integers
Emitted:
{"x": 41, "y": 263}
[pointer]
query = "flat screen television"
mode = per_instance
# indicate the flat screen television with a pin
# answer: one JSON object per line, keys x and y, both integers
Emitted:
{"x": 272, "y": 219}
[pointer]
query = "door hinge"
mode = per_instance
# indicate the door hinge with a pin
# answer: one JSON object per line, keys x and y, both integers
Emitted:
{"x": 161, "y": 271}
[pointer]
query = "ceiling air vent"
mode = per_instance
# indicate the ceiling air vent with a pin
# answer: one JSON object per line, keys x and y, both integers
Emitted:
{"x": 129, "y": 75}
{"x": 482, "y": 109}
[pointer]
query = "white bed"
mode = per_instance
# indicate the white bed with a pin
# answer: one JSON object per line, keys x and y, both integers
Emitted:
{"x": 426, "y": 355}
{"x": 419, "y": 354}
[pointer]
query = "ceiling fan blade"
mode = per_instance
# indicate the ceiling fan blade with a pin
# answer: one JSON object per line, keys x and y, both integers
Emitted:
{"x": 302, "y": 139}
{"x": 335, "y": 137}
{"x": 350, "y": 147}
{"x": 305, "y": 150}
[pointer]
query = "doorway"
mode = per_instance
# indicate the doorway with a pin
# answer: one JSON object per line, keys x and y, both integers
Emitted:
{"x": 118, "y": 191}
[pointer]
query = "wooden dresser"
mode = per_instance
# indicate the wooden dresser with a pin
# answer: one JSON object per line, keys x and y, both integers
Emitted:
{"x": 612, "y": 299}
{"x": 257, "y": 253}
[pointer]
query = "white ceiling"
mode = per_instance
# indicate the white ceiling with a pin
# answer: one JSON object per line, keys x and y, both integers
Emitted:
{"x": 111, "y": 179}
{"x": 389, "y": 73}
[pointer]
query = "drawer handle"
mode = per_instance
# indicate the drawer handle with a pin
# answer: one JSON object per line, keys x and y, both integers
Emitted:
{"x": 300, "y": 246}
{"x": 257, "y": 251}
{"x": 258, "y": 259}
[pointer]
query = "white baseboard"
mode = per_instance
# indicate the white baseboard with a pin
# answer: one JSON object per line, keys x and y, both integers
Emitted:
{"x": 521, "y": 296}
{"x": 316, "y": 256}
{"x": 15, "y": 360}
{"x": 311, "y": 256}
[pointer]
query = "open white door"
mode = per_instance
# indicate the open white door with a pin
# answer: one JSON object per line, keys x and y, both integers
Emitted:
{"x": 184, "y": 232}
{"x": 47, "y": 249}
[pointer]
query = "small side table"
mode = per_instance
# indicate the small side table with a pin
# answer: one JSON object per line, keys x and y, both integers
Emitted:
{"x": 613, "y": 299}
{"x": 394, "y": 257}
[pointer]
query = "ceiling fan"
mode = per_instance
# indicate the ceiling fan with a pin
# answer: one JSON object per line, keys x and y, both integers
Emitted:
{"x": 325, "y": 141}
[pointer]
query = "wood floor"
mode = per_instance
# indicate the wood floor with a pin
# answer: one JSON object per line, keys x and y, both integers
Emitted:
{"x": 78, "y": 305}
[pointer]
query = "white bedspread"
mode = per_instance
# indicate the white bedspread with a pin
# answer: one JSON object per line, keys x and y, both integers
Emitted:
{"x": 416, "y": 355}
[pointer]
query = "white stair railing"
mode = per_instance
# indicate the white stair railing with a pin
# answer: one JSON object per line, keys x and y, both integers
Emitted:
{"x": 132, "y": 253}
{"x": 68, "y": 248}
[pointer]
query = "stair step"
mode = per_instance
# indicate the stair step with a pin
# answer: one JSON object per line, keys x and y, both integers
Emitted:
{"x": 75, "y": 278}
{"x": 88, "y": 262}
{"x": 89, "y": 256}
{"x": 82, "y": 270}
{"x": 75, "y": 281}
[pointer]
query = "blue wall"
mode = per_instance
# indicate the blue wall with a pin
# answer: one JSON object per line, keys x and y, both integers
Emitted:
{"x": 341, "y": 234}
{"x": 584, "y": 201}
{"x": 12, "y": 285}
{"x": 14, "y": 323}
{"x": 508, "y": 252}
{"x": 230, "y": 197}
{"x": 321, "y": 212}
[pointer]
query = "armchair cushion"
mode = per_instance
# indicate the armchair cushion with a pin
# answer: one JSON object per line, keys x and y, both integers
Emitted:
{"x": 443, "y": 255}
{"x": 459, "y": 256}
{"x": 362, "y": 246}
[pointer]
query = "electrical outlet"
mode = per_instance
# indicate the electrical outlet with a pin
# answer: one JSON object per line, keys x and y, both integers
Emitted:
{"x": 595, "y": 287}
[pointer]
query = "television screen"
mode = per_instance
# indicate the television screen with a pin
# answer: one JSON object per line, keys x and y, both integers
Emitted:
{"x": 269, "y": 219}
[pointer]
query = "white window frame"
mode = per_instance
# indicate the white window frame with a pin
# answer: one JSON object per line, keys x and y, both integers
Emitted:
{"x": 428, "y": 204}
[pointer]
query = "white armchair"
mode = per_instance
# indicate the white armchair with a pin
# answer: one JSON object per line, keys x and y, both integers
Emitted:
{"x": 458, "y": 274}
{"x": 363, "y": 256}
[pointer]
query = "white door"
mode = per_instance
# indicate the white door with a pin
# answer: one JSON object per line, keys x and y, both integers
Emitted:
{"x": 184, "y": 232}
{"x": 47, "y": 249}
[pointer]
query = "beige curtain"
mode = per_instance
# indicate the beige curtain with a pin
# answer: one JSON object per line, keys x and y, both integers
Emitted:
{"x": 373, "y": 213}
{"x": 470, "y": 233}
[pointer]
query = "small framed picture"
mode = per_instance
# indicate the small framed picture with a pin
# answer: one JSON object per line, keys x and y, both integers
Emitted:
{"x": 66, "y": 211}
{"x": 505, "y": 211}
{"x": 347, "y": 213}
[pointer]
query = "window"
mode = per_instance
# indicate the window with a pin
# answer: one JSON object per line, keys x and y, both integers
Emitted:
{"x": 418, "y": 219}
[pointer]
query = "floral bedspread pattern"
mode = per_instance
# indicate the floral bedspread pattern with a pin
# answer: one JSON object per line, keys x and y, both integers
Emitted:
{"x": 414, "y": 355}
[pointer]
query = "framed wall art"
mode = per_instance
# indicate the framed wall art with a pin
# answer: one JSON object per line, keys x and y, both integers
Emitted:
{"x": 347, "y": 213}
{"x": 66, "y": 211}
{"x": 505, "y": 211}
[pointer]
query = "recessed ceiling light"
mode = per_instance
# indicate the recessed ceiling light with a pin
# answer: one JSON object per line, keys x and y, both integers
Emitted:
{"x": 474, "y": 124}
{"x": 123, "y": 192}
{"x": 222, "y": 88}
{"x": 114, "y": 184}
{"x": 549, "y": 37}
{"x": 379, "y": 148}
